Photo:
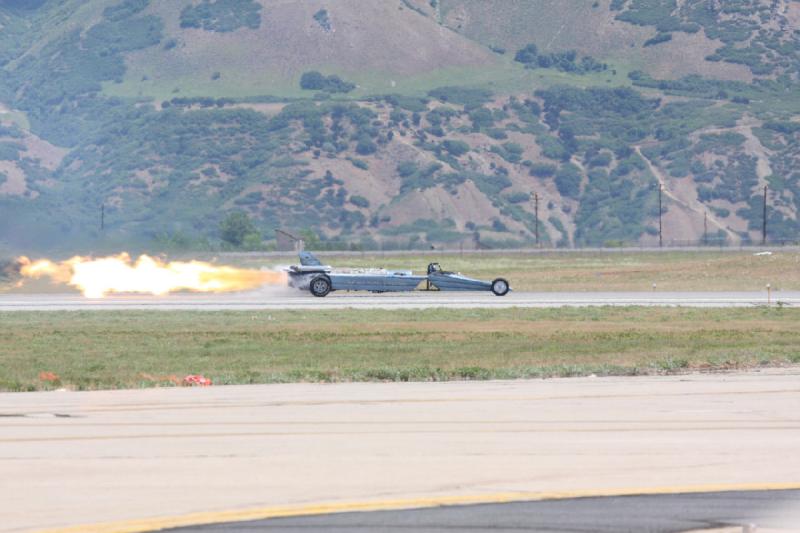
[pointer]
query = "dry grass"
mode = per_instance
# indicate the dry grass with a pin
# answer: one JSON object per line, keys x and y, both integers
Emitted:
{"x": 605, "y": 271}
{"x": 92, "y": 350}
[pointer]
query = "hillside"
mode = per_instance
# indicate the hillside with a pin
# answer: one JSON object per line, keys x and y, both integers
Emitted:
{"x": 399, "y": 122}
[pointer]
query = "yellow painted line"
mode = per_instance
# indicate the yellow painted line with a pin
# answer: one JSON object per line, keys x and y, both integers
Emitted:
{"x": 262, "y": 513}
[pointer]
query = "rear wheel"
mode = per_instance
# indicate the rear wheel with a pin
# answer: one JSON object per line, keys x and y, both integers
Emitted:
{"x": 320, "y": 286}
{"x": 500, "y": 287}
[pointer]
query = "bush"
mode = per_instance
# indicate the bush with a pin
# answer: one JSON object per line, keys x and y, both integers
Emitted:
{"x": 406, "y": 168}
{"x": 315, "y": 81}
{"x": 497, "y": 133}
{"x": 527, "y": 55}
{"x": 359, "y": 201}
{"x": 658, "y": 39}
{"x": 565, "y": 61}
{"x": 600, "y": 160}
{"x": 498, "y": 226}
{"x": 542, "y": 170}
{"x": 481, "y": 118}
{"x": 568, "y": 181}
{"x": 360, "y": 163}
{"x": 365, "y": 146}
{"x": 456, "y": 148}
{"x": 323, "y": 19}
{"x": 518, "y": 197}
{"x": 222, "y": 15}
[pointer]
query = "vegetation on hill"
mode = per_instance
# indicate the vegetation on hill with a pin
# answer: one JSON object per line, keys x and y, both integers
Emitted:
{"x": 221, "y": 15}
{"x": 455, "y": 159}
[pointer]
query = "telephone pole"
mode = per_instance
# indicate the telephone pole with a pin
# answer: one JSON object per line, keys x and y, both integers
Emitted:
{"x": 660, "y": 225}
{"x": 705, "y": 228}
{"x": 764, "y": 226}
{"x": 102, "y": 217}
{"x": 536, "y": 213}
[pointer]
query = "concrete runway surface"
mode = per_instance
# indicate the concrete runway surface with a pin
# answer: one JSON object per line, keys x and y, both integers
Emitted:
{"x": 761, "y": 511}
{"x": 148, "y": 459}
{"x": 291, "y": 299}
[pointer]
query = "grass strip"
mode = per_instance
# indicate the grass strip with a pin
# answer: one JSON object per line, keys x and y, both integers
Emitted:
{"x": 130, "y": 349}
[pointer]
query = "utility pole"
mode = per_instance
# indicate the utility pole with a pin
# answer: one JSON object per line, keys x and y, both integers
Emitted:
{"x": 705, "y": 228}
{"x": 102, "y": 217}
{"x": 764, "y": 226}
{"x": 536, "y": 213}
{"x": 660, "y": 226}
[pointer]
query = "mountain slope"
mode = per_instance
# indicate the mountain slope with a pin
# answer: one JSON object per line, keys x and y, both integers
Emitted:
{"x": 169, "y": 115}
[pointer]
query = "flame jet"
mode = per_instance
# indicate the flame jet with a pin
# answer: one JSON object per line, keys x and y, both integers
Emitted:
{"x": 98, "y": 277}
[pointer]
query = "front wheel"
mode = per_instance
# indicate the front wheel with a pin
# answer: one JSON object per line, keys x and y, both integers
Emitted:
{"x": 500, "y": 287}
{"x": 320, "y": 286}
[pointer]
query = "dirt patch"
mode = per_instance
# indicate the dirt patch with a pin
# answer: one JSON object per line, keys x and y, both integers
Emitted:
{"x": 467, "y": 205}
{"x": 48, "y": 155}
{"x": 15, "y": 183}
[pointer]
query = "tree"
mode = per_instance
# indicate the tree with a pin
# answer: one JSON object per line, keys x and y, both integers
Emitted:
{"x": 237, "y": 228}
{"x": 527, "y": 55}
{"x": 312, "y": 81}
{"x": 365, "y": 146}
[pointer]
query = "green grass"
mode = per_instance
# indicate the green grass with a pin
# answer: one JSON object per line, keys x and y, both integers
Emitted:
{"x": 502, "y": 78}
{"x": 93, "y": 350}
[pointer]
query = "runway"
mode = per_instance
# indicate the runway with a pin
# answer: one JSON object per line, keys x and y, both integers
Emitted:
{"x": 291, "y": 299}
{"x": 141, "y": 460}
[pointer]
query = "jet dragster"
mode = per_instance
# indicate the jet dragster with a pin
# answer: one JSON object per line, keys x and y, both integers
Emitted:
{"x": 311, "y": 275}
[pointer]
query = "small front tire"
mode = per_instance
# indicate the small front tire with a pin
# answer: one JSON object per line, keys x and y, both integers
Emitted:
{"x": 500, "y": 287}
{"x": 320, "y": 286}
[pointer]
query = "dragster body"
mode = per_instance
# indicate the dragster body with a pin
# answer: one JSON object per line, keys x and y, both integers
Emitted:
{"x": 320, "y": 280}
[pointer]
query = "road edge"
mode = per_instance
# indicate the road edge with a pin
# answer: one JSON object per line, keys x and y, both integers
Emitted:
{"x": 312, "y": 509}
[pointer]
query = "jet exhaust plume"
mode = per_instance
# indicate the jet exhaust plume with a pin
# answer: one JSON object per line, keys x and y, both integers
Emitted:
{"x": 98, "y": 277}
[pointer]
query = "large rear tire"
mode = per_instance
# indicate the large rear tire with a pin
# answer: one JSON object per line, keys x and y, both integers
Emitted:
{"x": 320, "y": 286}
{"x": 500, "y": 287}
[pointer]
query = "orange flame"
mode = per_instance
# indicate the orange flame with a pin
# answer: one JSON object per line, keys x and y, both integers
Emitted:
{"x": 99, "y": 277}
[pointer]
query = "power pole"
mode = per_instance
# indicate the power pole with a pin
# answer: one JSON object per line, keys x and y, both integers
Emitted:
{"x": 102, "y": 217}
{"x": 764, "y": 227}
{"x": 705, "y": 228}
{"x": 660, "y": 226}
{"x": 536, "y": 213}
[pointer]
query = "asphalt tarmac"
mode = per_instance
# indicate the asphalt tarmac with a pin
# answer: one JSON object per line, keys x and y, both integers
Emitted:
{"x": 291, "y": 299}
{"x": 142, "y": 460}
{"x": 735, "y": 511}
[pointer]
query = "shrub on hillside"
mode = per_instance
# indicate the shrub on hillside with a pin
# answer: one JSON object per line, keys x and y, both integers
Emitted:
{"x": 222, "y": 15}
{"x": 359, "y": 201}
{"x": 518, "y": 197}
{"x": 542, "y": 170}
{"x": 365, "y": 146}
{"x": 315, "y": 81}
{"x": 566, "y": 61}
{"x": 568, "y": 181}
{"x": 323, "y": 19}
{"x": 456, "y": 148}
{"x": 406, "y": 168}
{"x": 658, "y": 39}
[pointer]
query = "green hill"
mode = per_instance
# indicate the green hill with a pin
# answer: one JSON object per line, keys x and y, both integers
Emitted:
{"x": 396, "y": 123}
